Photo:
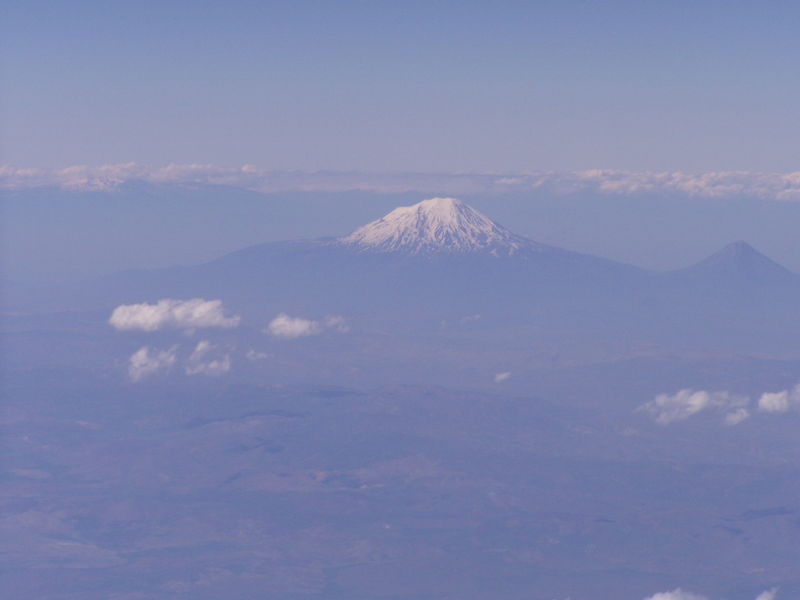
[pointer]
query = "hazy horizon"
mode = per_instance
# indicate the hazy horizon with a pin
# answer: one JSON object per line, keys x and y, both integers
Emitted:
{"x": 658, "y": 221}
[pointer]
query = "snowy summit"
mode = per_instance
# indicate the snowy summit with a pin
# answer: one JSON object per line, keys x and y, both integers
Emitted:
{"x": 434, "y": 226}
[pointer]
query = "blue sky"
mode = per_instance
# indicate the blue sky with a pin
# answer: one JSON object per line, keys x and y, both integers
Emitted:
{"x": 403, "y": 86}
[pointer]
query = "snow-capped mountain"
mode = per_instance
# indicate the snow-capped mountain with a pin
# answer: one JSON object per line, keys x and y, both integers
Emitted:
{"x": 436, "y": 225}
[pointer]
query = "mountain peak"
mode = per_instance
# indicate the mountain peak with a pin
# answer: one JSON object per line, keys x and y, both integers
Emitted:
{"x": 741, "y": 260}
{"x": 738, "y": 248}
{"x": 739, "y": 252}
{"x": 436, "y": 225}
{"x": 442, "y": 204}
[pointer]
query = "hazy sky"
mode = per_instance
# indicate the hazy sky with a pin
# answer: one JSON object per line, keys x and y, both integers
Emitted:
{"x": 375, "y": 85}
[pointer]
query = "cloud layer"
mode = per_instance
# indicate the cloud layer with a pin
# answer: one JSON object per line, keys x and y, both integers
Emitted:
{"x": 172, "y": 314}
{"x": 718, "y": 184}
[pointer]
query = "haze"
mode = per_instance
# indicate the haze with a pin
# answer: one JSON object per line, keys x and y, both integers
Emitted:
{"x": 418, "y": 300}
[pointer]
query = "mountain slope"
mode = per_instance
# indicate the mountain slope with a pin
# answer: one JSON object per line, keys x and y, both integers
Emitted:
{"x": 737, "y": 293}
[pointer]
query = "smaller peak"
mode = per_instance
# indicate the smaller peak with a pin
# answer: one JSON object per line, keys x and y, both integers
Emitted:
{"x": 742, "y": 259}
{"x": 737, "y": 250}
{"x": 734, "y": 252}
{"x": 739, "y": 246}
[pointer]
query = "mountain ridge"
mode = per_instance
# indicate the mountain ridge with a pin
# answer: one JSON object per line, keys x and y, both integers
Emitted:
{"x": 440, "y": 256}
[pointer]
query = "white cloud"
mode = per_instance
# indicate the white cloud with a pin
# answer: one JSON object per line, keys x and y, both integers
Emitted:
{"x": 218, "y": 366}
{"x": 172, "y": 314}
{"x": 500, "y": 377}
{"x": 779, "y": 402}
{"x": 768, "y": 594}
{"x": 668, "y": 408}
{"x": 679, "y": 594}
{"x": 676, "y": 594}
{"x": 284, "y": 326}
{"x": 292, "y": 327}
{"x": 336, "y": 323}
{"x": 737, "y": 416}
{"x": 146, "y": 362}
{"x": 198, "y": 364}
{"x": 252, "y": 355}
{"x": 714, "y": 184}
{"x": 774, "y": 402}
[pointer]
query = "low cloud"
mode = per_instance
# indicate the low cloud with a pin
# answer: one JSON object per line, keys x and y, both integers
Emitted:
{"x": 205, "y": 359}
{"x": 253, "y": 355}
{"x": 713, "y": 184}
{"x": 676, "y": 594}
{"x": 679, "y": 594}
{"x": 669, "y": 408}
{"x": 146, "y": 362}
{"x": 200, "y": 363}
{"x": 780, "y": 402}
{"x": 500, "y": 377}
{"x": 284, "y": 326}
{"x": 172, "y": 314}
{"x": 336, "y": 323}
{"x": 736, "y": 416}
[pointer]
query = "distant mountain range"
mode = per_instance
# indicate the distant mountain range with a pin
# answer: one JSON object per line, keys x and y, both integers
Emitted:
{"x": 441, "y": 259}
